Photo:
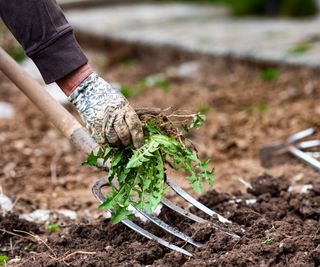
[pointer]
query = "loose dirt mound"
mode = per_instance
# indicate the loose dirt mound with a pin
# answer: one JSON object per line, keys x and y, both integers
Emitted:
{"x": 281, "y": 229}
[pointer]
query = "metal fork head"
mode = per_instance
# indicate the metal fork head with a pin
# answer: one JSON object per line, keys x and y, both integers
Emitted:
{"x": 99, "y": 184}
{"x": 295, "y": 146}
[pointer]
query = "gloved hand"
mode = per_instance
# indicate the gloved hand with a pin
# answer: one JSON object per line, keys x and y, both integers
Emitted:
{"x": 107, "y": 113}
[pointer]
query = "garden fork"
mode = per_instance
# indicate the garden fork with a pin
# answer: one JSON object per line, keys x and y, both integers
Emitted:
{"x": 79, "y": 136}
{"x": 296, "y": 146}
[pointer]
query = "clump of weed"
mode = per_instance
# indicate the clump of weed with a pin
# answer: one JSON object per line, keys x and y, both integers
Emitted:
{"x": 138, "y": 176}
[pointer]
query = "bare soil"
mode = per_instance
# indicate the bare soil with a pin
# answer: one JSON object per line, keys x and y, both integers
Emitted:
{"x": 281, "y": 229}
{"x": 32, "y": 151}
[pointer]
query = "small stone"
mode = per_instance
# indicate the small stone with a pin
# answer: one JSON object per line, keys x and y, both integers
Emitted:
{"x": 185, "y": 70}
{"x": 14, "y": 261}
{"x": 38, "y": 216}
{"x": 68, "y": 213}
{"x": 6, "y": 110}
{"x": 251, "y": 201}
{"x": 5, "y": 203}
{"x": 107, "y": 215}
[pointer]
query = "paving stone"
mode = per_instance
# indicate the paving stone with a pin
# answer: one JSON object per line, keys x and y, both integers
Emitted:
{"x": 201, "y": 28}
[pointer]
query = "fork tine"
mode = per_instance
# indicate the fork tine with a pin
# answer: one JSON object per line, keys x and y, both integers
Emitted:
{"x": 96, "y": 189}
{"x": 196, "y": 203}
{"x": 182, "y": 211}
{"x": 301, "y": 135}
{"x": 308, "y": 144}
{"x": 168, "y": 228}
{"x": 148, "y": 235}
{"x": 194, "y": 217}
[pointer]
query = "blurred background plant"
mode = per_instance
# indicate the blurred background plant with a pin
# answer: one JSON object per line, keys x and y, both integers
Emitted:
{"x": 288, "y": 8}
{"x": 299, "y": 8}
{"x": 152, "y": 81}
{"x": 9, "y": 44}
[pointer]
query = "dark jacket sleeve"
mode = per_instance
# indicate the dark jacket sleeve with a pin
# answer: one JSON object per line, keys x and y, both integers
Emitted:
{"x": 46, "y": 36}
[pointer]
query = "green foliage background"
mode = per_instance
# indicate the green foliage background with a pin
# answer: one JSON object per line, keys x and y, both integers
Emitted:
{"x": 290, "y": 8}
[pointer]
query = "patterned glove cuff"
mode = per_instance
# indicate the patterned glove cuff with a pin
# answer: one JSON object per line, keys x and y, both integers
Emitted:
{"x": 92, "y": 78}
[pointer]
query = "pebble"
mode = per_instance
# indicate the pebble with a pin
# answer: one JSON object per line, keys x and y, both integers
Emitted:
{"x": 14, "y": 261}
{"x": 185, "y": 70}
{"x": 5, "y": 203}
{"x": 38, "y": 216}
{"x": 6, "y": 110}
{"x": 302, "y": 189}
{"x": 106, "y": 215}
{"x": 68, "y": 213}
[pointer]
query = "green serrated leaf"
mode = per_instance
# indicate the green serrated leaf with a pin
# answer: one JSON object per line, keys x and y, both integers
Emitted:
{"x": 192, "y": 155}
{"x": 146, "y": 183}
{"x": 197, "y": 186}
{"x": 143, "y": 154}
{"x": 210, "y": 177}
{"x": 117, "y": 157}
{"x": 100, "y": 153}
{"x": 91, "y": 160}
{"x": 192, "y": 177}
{"x": 198, "y": 120}
{"x": 108, "y": 204}
{"x": 203, "y": 165}
{"x": 120, "y": 214}
{"x": 108, "y": 154}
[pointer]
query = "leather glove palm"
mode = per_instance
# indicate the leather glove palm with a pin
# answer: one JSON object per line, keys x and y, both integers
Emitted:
{"x": 107, "y": 113}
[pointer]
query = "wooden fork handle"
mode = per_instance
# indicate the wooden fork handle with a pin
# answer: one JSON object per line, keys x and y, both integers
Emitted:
{"x": 52, "y": 110}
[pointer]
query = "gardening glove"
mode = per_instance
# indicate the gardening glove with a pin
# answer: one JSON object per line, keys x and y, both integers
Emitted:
{"x": 107, "y": 113}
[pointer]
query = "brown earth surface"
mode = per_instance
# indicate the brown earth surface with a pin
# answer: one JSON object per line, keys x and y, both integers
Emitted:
{"x": 280, "y": 229}
{"x": 243, "y": 112}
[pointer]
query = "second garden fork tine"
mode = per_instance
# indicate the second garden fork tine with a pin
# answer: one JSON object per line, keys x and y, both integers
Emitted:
{"x": 196, "y": 203}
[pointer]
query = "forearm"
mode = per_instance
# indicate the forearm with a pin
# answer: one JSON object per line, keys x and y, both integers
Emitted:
{"x": 45, "y": 34}
{"x": 71, "y": 81}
